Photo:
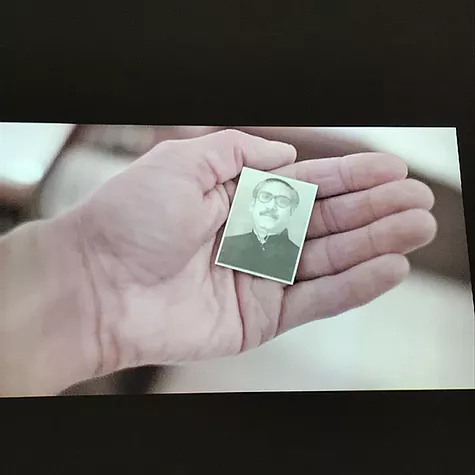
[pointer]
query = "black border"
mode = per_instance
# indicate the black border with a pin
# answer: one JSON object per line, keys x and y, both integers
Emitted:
{"x": 264, "y": 63}
{"x": 409, "y": 432}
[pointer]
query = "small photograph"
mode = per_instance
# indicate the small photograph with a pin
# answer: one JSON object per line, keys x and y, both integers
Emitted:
{"x": 267, "y": 225}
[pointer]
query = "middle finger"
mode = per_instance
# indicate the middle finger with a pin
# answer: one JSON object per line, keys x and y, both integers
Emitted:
{"x": 354, "y": 210}
{"x": 396, "y": 234}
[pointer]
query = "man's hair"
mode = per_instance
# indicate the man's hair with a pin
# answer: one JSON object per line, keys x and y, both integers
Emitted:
{"x": 295, "y": 196}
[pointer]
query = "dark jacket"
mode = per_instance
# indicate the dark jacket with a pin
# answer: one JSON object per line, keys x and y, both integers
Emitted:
{"x": 275, "y": 258}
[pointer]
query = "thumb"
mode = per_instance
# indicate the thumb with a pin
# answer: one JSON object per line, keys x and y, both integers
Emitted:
{"x": 218, "y": 157}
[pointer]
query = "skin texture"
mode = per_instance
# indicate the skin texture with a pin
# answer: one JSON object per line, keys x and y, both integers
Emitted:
{"x": 149, "y": 237}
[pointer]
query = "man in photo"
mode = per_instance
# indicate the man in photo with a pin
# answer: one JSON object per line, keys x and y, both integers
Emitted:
{"x": 267, "y": 249}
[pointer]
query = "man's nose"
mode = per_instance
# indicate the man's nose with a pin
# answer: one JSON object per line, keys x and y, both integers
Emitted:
{"x": 270, "y": 209}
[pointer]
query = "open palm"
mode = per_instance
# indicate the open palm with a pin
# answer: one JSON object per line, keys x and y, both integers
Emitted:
{"x": 151, "y": 236}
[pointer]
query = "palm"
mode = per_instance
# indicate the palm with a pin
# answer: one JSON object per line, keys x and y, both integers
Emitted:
{"x": 168, "y": 302}
{"x": 210, "y": 311}
{"x": 168, "y": 270}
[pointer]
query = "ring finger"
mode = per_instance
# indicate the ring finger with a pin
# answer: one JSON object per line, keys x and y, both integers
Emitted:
{"x": 354, "y": 210}
{"x": 396, "y": 234}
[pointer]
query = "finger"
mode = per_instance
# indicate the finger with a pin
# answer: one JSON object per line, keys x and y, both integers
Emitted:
{"x": 355, "y": 210}
{"x": 332, "y": 295}
{"x": 311, "y": 142}
{"x": 395, "y": 234}
{"x": 339, "y": 175}
{"x": 215, "y": 158}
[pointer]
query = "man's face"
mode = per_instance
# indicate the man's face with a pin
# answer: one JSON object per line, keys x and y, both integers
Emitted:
{"x": 267, "y": 215}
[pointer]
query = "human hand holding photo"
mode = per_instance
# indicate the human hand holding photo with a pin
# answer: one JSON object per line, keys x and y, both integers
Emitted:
{"x": 129, "y": 276}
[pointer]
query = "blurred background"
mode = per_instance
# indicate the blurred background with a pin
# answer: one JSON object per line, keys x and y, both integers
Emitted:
{"x": 418, "y": 336}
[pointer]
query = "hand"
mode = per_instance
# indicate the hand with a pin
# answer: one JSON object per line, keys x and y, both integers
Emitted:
{"x": 150, "y": 235}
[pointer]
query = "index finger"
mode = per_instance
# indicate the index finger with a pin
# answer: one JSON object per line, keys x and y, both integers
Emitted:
{"x": 347, "y": 174}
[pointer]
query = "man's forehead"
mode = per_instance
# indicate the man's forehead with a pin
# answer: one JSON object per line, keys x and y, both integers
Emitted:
{"x": 277, "y": 188}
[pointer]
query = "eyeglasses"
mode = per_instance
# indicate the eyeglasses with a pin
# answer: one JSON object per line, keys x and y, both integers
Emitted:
{"x": 281, "y": 201}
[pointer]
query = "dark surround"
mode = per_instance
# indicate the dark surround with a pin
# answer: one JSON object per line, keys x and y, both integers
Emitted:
{"x": 295, "y": 63}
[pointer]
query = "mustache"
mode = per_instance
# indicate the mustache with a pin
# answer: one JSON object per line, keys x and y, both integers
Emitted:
{"x": 269, "y": 213}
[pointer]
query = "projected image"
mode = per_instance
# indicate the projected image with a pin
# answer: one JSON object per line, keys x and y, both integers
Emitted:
{"x": 151, "y": 259}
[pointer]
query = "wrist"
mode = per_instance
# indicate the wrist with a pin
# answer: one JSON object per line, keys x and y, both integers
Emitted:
{"x": 47, "y": 310}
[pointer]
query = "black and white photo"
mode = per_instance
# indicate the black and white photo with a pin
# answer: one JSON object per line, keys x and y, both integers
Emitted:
{"x": 267, "y": 225}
